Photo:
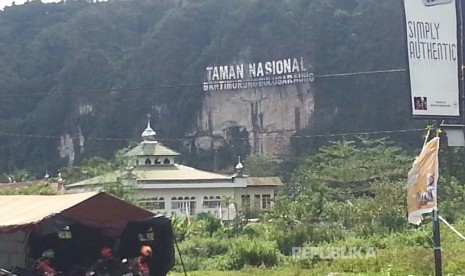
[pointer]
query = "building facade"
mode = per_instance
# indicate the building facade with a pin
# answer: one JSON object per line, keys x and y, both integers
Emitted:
{"x": 163, "y": 186}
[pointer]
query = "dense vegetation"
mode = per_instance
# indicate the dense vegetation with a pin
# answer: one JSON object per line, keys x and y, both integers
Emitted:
{"x": 129, "y": 58}
{"x": 351, "y": 194}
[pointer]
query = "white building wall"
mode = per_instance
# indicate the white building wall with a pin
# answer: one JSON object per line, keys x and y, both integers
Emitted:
{"x": 197, "y": 193}
{"x": 254, "y": 192}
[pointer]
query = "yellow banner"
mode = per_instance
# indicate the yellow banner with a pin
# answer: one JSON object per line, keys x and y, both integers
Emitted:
{"x": 422, "y": 182}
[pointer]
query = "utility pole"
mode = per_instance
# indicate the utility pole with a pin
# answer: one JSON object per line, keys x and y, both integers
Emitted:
{"x": 461, "y": 61}
{"x": 461, "y": 53}
{"x": 437, "y": 245}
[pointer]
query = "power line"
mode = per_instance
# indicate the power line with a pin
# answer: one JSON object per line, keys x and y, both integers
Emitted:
{"x": 362, "y": 73}
{"x": 239, "y": 138}
{"x": 361, "y": 133}
{"x": 192, "y": 85}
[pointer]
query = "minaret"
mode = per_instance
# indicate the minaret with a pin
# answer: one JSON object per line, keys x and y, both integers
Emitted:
{"x": 149, "y": 152}
{"x": 239, "y": 168}
{"x": 149, "y": 134}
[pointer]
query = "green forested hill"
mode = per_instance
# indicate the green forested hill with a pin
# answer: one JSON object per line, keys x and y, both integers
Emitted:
{"x": 128, "y": 58}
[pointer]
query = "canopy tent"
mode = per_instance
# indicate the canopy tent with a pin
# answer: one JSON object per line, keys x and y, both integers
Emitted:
{"x": 45, "y": 214}
{"x": 30, "y": 223}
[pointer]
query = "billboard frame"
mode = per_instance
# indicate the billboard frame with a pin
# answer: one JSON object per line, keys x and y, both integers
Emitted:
{"x": 460, "y": 67}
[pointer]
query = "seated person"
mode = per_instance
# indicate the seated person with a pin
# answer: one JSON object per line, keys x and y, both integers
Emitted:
{"x": 44, "y": 264}
{"x": 140, "y": 266}
{"x": 106, "y": 265}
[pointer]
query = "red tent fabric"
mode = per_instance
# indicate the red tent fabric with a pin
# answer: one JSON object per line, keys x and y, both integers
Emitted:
{"x": 50, "y": 213}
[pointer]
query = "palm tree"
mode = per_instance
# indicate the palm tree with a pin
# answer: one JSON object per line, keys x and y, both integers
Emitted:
{"x": 227, "y": 201}
{"x": 20, "y": 176}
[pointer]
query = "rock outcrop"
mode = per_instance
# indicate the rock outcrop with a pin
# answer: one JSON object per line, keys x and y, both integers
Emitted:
{"x": 266, "y": 117}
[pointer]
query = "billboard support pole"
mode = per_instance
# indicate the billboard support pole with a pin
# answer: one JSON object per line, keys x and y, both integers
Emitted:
{"x": 461, "y": 55}
{"x": 437, "y": 245}
{"x": 456, "y": 132}
{"x": 436, "y": 234}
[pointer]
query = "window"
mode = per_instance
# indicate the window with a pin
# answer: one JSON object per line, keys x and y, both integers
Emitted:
{"x": 147, "y": 161}
{"x": 149, "y": 235}
{"x": 166, "y": 161}
{"x": 192, "y": 206}
{"x": 245, "y": 199}
{"x": 65, "y": 233}
{"x": 152, "y": 203}
{"x": 256, "y": 202}
{"x": 266, "y": 202}
{"x": 185, "y": 205}
{"x": 211, "y": 202}
{"x": 176, "y": 203}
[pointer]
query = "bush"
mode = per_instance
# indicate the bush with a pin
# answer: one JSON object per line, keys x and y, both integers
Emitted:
{"x": 291, "y": 237}
{"x": 198, "y": 253}
{"x": 256, "y": 230}
{"x": 250, "y": 252}
{"x": 210, "y": 223}
{"x": 204, "y": 247}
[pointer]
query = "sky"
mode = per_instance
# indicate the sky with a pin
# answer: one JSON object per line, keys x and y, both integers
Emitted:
{"x": 4, "y": 3}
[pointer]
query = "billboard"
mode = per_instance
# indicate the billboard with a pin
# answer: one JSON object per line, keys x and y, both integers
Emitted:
{"x": 251, "y": 75}
{"x": 433, "y": 57}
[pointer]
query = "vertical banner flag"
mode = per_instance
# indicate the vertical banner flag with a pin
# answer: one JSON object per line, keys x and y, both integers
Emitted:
{"x": 433, "y": 57}
{"x": 422, "y": 182}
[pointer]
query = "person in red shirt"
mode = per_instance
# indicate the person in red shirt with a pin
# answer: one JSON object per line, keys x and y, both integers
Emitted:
{"x": 106, "y": 265}
{"x": 140, "y": 266}
{"x": 44, "y": 264}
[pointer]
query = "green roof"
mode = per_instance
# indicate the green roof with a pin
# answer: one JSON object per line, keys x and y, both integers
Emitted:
{"x": 158, "y": 173}
{"x": 264, "y": 181}
{"x": 152, "y": 148}
{"x": 101, "y": 179}
{"x": 176, "y": 172}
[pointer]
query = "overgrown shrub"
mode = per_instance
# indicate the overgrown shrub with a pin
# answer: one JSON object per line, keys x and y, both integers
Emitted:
{"x": 291, "y": 238}
{"x": 251, "y": 252}
{"x": 205, "y": 247}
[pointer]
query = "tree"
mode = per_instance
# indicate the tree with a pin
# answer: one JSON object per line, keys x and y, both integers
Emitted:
{"x": 351, "y": 166}
{"x": 358, "y": 185}
{"x": 20, "y": 175}
{"x": 118, "y": 189}
{"x": 212, "y": 223}
{"x": 89, "y": 168}
{"x": 90, "y": 70}
{"x": 42, "y": 188}
{"x": 227, "y": 201}
{"x": 259, "y": 165}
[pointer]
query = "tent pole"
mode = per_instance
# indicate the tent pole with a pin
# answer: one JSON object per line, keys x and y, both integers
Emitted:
{"x": 180, "y": 256}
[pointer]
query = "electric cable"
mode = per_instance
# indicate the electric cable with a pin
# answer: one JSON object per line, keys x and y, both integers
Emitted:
{"x": 237, "y": 138}
{"x": 191, "y": 85}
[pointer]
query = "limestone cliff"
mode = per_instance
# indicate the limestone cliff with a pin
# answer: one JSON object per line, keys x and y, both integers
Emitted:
{"x": 266, "y": 116}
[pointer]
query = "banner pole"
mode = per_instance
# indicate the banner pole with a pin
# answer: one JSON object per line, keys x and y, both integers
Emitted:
{"x": 436, "y": 234}
{"x": 437, "y": 245}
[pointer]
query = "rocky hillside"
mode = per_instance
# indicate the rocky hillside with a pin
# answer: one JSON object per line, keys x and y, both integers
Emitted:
{"x": 77, "y": 78}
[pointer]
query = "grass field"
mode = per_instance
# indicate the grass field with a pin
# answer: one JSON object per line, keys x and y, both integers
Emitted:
{"x": 254, "y": 272}
{"x": 267, "y": 272}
